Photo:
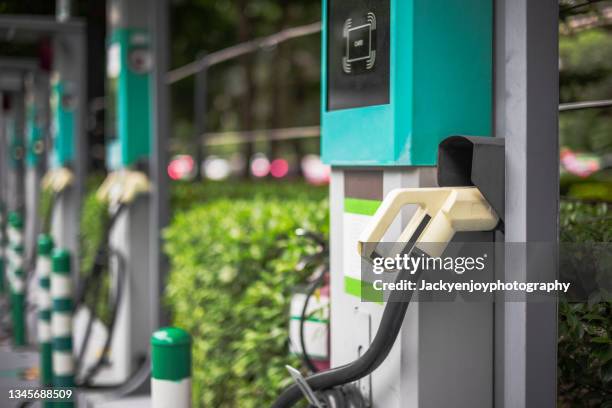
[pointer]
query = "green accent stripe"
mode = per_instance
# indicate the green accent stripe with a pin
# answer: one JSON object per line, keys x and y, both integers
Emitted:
{"x": 360, "y": 206}
{"x": 62, "y": 344}
{"x": 44, "y": 315}
{"x": 362, "y": 289}
{"x": 46, "y": 364}
{"x": 64, "y": 381}
{"x": 311, "y": 319}
{"x": 18, "y": 319}
{"x": 62, "y": 305}
{"x": 315, "y": 356}
{"x": 44, "y": 283}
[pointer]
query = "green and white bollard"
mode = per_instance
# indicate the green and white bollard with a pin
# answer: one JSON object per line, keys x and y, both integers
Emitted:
{"x": 45, "y": 304}
{"x": 61, "y": 323}
{"x": 2, "y": 286}
{"x": 171, "y": 368}
{"x": 16, "y": 277}
{"x": 2, "y": 254}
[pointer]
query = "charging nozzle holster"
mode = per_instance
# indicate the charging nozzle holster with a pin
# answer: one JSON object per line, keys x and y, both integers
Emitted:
{"x": 58, "y": 179}
{"x": 470, "y": 198}
{"x": 123, "y": 187}
{"x": 445, "y": 210}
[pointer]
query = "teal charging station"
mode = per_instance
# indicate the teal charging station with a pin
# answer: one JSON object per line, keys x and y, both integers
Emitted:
{"x": 399, "y": 76}
{"x": 34, "y": 135}
{"x": 128, "y": 110}
{"x": 62, "y": 116}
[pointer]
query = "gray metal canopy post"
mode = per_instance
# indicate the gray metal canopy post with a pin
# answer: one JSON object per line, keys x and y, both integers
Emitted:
{"x": 527, "y": 116}
{"x": 160, "y": 211}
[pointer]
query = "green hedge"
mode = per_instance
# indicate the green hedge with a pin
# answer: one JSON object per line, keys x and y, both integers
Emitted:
{"x": 94, "y": 216}
{"x": 184, "y": 195}
{"x": 233, "y": 270}
{"x": 233, "y": 250}
{"x": 585, "y": 329}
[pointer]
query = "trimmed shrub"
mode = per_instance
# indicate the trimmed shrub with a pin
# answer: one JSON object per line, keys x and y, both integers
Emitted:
{"x": 94, "y": 217}
{"x": 184, "y": 194}
{"x": 232, "y": 273}
{"x": 585, "y": 329}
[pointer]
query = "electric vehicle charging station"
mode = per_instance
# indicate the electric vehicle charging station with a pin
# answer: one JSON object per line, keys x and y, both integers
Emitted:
{"x": 11, "y": 82}
{"x": 36, "y": 130}
{"x": 381, "y": 126}
{"x": 396, "y": 76}
{"x": 126, "y": 190}
{"x": 67, "y": 162}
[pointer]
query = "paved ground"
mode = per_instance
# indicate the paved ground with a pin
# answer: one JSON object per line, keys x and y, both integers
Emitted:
{"x": 19, "y": 370}
{"x": 15, "y": 367}
{"x": 131, "y": 402}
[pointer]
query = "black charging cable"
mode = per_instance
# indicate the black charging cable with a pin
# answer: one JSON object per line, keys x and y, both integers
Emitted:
{"x": 390, "y": 325}
{"x": 310, "y": 291}
{"x": 94, "y": 280}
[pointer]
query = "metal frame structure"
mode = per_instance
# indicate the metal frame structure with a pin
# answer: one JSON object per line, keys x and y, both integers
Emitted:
{"x": 526, "y": 115}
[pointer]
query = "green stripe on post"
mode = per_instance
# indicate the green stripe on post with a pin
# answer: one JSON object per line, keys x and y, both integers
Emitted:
{"x": 362, "y": 289}
{"x": 15, "y": 220}
{"x": 18, "y": 318}
{"x": 2, "y": 284}
{"x": 45, "y": 244}
{"x": 45, "y": 283}
{"x": 171, "y": 354}
{"x": 62, "y": 344}
{"x": 361, "y": 206}
{"x": 64, "y": 381}
{"x": 46, "y": 364}
{"x": 44, "y": 315}
{"x": 62, "y": 305}
{"x": 60, "y": 260}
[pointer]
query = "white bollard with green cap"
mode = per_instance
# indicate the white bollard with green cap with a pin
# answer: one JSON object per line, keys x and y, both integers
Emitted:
{"x": 171, "y": 368}
{"x": 61, "y": 323}
{"x": 45, "y": 305}
{"x": 16, "y": 277}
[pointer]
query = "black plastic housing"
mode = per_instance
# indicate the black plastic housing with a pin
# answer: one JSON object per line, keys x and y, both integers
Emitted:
{"x": 474, "y": 161}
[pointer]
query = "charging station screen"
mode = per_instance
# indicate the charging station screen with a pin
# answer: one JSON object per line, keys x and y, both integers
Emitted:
{"x": 357, "y": 53}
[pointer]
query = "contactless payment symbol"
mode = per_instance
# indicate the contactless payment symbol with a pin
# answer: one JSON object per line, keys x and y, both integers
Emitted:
{"x": 360, "y": 50}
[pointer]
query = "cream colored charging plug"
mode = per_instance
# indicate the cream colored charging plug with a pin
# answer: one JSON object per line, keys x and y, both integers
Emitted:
{"x": 450, "y": 209}
{"x": 57, "y": 179}
{"x": 123, "y": 186}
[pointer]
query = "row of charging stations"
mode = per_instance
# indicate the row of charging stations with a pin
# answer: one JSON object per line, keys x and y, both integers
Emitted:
{"x": 113, "y": 355}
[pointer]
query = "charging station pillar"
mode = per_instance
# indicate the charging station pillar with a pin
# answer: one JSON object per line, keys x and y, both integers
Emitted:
{"x": 37, "y": 120}
{"x": 129, "y": 138}
{"x": 526, "y": 115}
{"x": 399, "y": 77}
{"x": 68, "y": 134}
{"x": 14, "y": 143}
